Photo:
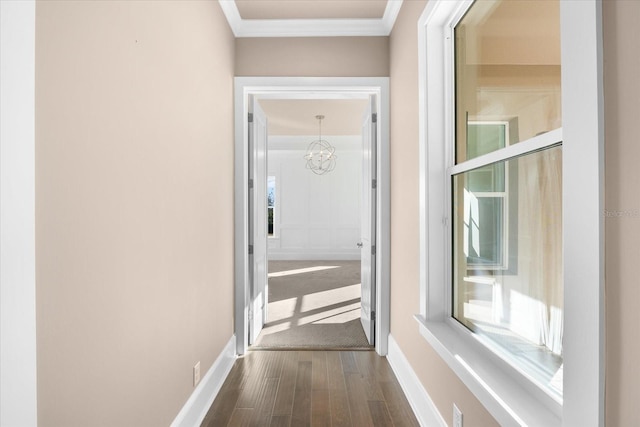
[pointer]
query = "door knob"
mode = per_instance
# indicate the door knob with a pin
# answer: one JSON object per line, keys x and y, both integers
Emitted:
{"x": 360, "y": 245}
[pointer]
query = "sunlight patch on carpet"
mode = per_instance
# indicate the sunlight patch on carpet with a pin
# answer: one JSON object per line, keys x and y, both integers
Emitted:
{"x": 302, "y": 270}
{"x": 318, "y": 300}
{"x": 343, "y": 317}
{"x": 337, "y": 314}
{"x": 283, "y": 309}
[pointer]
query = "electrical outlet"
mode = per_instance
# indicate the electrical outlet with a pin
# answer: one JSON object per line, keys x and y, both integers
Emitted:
{"x": 196, "y": 374}
{"x": 457, "y": 416}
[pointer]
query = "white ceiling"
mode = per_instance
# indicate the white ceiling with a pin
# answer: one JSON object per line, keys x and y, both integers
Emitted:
{"x": 298, "y": 116}
{"x": 310, "y": 18}
{"x": 314, "y": 9}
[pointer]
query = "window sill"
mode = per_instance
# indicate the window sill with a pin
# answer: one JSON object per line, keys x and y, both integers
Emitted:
{"x": 505, "y": 397}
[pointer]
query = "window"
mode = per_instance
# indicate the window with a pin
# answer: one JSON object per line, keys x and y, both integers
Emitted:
{"x": 271, "y": 205}
{"x": 507, "y": 214}
{"x": 518, "y": 312}
{"x": 485, "y": 201}
{"x": 511, "y": 272}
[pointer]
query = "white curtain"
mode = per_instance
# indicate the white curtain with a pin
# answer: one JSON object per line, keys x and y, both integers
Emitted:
{"x": 539, "y": 275}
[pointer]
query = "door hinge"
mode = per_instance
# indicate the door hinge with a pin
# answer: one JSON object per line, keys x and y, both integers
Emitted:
{"x": 373, "y": 249}
{"x": 250, "y": 117}
{"x": 250, "y": 249}
{"x": 374, "y": 183}
{"x": 250, "y": 183}
{"x": 374, "y": 118}
{"x": 250, "y": 314}
{"x": 373, "y": 316}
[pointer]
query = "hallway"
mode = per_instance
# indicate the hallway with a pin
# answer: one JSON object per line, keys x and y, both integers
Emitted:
{"x": 503, "y": 129}
{"x": 301, "y": 388}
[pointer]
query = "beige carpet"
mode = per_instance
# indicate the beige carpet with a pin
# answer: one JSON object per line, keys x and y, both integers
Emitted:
{"x": 313, "y": 304}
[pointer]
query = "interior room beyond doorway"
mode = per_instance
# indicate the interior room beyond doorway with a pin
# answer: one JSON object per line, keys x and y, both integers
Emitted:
{"x": 314, "y": 225}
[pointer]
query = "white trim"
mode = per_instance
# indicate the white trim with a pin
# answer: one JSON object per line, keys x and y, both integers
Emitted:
{"x": 434, "y": 298}
{"x": 583, "y": 204}
{"x": 18, "y": 369}
{"x": 310, "y": 27}
{"x": 390, "y": 15}
{"x": 510, "y": 398}
{"x": 312, "y": 88}
{"x": 198, "y": 404}
{"x": 528, "y": 146}
{"x": 495, "y": 385}
{"x": 423, "y": 407}
{"x": 230, "y": 10}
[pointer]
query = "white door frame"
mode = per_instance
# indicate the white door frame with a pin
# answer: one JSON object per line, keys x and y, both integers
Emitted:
{"x": 310, "y": 88}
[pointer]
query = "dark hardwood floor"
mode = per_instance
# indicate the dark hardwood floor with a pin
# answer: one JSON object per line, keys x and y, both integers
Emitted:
{"x": 310, "y": 388}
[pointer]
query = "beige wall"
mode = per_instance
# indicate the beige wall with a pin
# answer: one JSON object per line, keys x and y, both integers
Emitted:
{"x": 313, "y": 57}
{"x": 134, "y": 206}
{"x": 441, "y": 383}
{"x": 622, "y": 92}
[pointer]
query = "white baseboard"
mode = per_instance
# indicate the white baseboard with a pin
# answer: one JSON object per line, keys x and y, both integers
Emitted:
{"x": 422, "y": 405}
{"x": 196, "y": 408}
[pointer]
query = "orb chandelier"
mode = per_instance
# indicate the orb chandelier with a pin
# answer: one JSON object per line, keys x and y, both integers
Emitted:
{"x": 320, "y": 157}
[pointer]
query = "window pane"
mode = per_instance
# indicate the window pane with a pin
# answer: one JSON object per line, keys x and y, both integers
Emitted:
{"x": 507, "y": 265}
{"x": 271, "y": 203}
{"x": 487, "y": 179}
{"x": 507, "y": 69}
{"x": 271, "y": 191}
{"x": 483, "y": 231}
{"x": 483, "y": 138}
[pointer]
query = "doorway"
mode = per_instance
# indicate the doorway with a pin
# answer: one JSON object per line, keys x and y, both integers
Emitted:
{"x": 250, "y": 313}
{"x": 317, "y": 224}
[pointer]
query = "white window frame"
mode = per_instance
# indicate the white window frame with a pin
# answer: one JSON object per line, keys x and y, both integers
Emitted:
{"x": 504, "y": 195}
{"x": 509, "y": 396}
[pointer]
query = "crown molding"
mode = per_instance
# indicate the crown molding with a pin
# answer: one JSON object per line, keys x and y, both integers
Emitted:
{"x": 310, "y": 27}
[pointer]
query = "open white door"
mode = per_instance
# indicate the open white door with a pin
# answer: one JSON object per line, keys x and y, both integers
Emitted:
{"x": 368, "y": 223}
{"x": 258, "y": 285}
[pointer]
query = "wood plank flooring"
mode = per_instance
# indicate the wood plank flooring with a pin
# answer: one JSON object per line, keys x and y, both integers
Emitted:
{"x": 310, "y": 388}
